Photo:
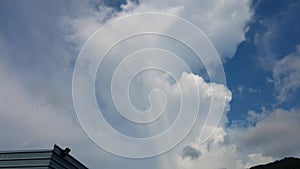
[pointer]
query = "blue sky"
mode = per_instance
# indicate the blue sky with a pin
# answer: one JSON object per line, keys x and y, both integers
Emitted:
{"x": 281, "y": 16}
{"x": 259, "y": 45}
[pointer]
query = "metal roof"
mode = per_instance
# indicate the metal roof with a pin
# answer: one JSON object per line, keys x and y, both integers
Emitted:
{"x": 39, "y": 159}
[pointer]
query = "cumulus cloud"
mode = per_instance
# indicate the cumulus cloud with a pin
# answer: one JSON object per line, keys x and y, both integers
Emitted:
{"x": 264, "y": 137}
{"x": 40, "y": 120}
{"x": 223, "y": 23}
{"x": 220, "y": 152}
{"x": 214, "y": 154}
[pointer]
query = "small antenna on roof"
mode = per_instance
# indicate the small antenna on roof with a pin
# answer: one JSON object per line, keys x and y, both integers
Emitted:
{"x": 65, "y": 152}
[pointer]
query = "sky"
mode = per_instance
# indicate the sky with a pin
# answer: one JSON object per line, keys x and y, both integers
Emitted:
{"x": 258, "y": 43}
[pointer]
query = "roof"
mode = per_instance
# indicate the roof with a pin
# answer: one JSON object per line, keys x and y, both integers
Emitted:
{"x": 56, "y": 158}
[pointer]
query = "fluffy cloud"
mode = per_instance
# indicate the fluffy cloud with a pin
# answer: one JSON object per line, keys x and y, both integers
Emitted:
{"x": 82, "y": 20}
{"x": 214, "y": 154}
{"x": 33, "y": 115}
{"x": 224, "y": 23}
{"x": 268, "y": 135}
{"x": 219, "y": 152}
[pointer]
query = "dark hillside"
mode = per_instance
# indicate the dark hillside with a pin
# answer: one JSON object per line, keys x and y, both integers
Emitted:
{"x": 286, "y": 163}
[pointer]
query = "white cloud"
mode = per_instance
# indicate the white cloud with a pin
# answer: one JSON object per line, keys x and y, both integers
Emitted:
{"x": 219, "y": 152}
{"x": 257, "y": 159}
{"x": 254, "y": 90}
{"x": 286, "y": 75}
{"x": 190, "y": 153}
{"x": 37, "y": 121}
{"x": 240, "y": 90}
{"x": 276, "y": 135}
{"x": 224, "y": 23}
{"x": 28, "y": 120}
{"x": 254, "y": 117}
{"x": 268, "y": 136}
{"x": 269, "y": 40}
{"x": 214, "y": 154}
{"x": 82, "y": 20}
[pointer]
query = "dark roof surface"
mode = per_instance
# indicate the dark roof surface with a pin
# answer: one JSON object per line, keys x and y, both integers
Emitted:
{"x": 56, "y": 158}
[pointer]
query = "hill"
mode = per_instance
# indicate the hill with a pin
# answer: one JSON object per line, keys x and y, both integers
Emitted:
{"x": 286, "y": 163}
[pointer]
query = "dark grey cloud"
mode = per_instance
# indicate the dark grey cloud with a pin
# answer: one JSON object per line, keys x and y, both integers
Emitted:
{"x": 190, "y": 152}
